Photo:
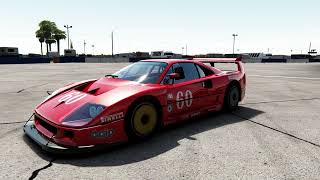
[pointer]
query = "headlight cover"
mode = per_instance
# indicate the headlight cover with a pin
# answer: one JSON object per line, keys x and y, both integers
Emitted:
{"x": 83, "y": 115}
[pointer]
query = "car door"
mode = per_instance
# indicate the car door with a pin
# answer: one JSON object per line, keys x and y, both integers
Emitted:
{"x": 214, "y": 85}
{"x": 186, "y": 96}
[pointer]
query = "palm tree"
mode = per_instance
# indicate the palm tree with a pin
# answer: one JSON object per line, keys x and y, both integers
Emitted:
{"x": 49, "y": 42}
{"x": 47, "y": 29}
{"x": 40, "y": 36}
{"x": 59, "y": 35}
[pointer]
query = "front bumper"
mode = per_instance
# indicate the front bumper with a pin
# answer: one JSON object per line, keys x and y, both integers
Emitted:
{"x": 49, "y": 146}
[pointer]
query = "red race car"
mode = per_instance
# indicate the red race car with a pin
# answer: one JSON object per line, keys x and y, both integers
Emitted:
{"x": 133, "y": 102}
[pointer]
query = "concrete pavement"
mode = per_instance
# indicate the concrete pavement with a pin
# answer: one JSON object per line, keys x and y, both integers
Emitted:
{"x": 274, "y": 134}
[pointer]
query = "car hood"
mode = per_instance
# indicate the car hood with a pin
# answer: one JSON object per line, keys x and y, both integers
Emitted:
{"x": 104, "y": 91}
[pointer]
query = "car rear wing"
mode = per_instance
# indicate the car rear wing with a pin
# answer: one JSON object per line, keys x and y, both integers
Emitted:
{"x": 212, "y": 61}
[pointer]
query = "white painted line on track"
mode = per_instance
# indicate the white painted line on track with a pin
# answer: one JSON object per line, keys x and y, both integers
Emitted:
{"x": 286, "y": 77}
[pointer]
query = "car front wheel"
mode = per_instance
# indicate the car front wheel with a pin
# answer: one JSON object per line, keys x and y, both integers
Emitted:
{"x": 142, "y": 122}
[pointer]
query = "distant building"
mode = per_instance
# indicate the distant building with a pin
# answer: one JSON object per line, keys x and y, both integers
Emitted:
{"x": 214, "y": 55}
{"x": 126, "y": 55}
{"x": 156, "y": 54}
{"x": 142, "y": 55}
{"x": 70, "y": 53}
{"x": 231, "y": 55}
{"x": 9, "y": 51}
{"x": 164, "y": 55}
{"x": 53, "y": 54}
{"x": 301, "y": 56}
{"x": 258, "y": 55}
{"x": 279, "y": 57}
{"x": 313, "y": 52}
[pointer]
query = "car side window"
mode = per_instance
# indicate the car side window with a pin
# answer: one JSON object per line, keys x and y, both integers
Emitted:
{"x": 203, "y": 72}
{"x": 187, "y": 71}
{"x": 175, "y": 68}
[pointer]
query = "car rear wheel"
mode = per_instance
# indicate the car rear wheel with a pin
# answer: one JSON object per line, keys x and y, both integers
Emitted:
{"x": 143, "y": 121}
{"x": 232, "y": 98}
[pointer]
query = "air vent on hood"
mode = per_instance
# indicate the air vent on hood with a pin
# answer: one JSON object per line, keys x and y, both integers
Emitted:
{"x": 83, "y": 86}
{"x": 93, "y": 92}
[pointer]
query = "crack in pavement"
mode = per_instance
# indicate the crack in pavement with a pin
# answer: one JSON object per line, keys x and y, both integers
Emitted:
{"x": 277, "y": 130}
{"x": 279, "y": 101}
{"x": 20, "y": 90}
{"x": 17, "y": 122}
{"x": 31, "y": 87}
{"x": 36, "y": 172}
{"x": 49, "y": 91}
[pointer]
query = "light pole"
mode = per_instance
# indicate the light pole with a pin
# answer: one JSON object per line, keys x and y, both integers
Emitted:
{"x": 309, "y": 48}
{"x": 182, "y": 48}
{"x": 186, "y": 50}
{"x": 68, "y": 27}
{"x": 112, "y": 43}
{"x": 234, "y": 41}
{"x": 92, "y": 49}
{"x": 84, "y": 47}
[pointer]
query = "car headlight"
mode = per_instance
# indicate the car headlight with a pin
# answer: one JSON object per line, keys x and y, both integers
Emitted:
{"x": 83, "y": 115}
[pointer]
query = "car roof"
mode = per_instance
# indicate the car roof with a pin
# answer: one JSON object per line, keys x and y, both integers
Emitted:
{"x": 169, "y": 61}
{"x": 172, "y": 61}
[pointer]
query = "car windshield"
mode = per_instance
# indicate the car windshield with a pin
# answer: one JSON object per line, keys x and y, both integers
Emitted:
{"x": 143, "y": 72}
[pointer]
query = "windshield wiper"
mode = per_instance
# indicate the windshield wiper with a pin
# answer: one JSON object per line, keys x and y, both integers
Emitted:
{"x": 111, "y": 75}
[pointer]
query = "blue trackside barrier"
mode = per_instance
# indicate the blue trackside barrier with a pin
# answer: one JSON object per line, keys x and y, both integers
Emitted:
{"x": 314, "y": 60}
{"x": 66, "y": 59}
{"x": 23, "y": 60}
{"x": 33, "y": 60}
{"x": 10, "y": 60}
{"x": 39, "y": 59}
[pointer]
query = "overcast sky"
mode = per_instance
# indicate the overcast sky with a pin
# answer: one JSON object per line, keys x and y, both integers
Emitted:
{"x": 206, "y": 26}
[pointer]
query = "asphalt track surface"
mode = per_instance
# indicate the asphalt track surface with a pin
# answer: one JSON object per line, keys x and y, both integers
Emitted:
{"x": 275, "y": 134}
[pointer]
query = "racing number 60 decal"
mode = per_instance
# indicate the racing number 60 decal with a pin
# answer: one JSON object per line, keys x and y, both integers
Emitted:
{"x": 188, "y": 97}
{"x": 184, "y": 98}
{"x": 72, "y": 97}
{"x": 180, "y": 102}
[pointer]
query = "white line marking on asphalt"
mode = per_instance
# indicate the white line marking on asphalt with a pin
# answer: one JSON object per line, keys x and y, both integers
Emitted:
{"x": 286, "y": 77}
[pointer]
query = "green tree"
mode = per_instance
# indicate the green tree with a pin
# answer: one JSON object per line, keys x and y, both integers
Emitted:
{"x": 40, "y": 36}
{"x": 47, "y": 29}
{"x": 59, "y": 35}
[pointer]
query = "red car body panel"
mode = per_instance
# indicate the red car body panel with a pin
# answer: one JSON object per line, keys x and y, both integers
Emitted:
{"x": 178, "y": 101}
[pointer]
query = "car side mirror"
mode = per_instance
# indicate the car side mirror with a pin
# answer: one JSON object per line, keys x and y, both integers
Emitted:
{"x": 175, "y": 76}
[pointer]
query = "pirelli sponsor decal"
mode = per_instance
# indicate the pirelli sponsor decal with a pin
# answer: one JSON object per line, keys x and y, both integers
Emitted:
{"x": 112, "y": 117}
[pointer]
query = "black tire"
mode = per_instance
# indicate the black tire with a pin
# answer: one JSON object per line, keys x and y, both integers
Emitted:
{"x": 142, "y": 121}
{"x": 232, "y": 98}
